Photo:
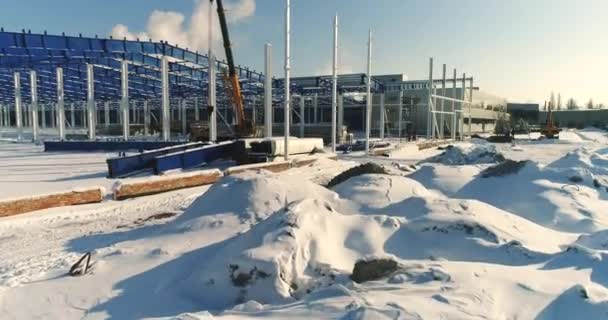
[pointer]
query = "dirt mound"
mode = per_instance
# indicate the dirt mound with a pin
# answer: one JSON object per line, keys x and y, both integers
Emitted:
{"x": 506, "y": 168}
{"x": 468, "y": 153}
{"x": 374, "y": 269}
{"x": 368, "y": 168}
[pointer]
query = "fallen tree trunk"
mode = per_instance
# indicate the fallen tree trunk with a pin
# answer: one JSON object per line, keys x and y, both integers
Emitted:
{"x": 69, "y": 198}
{"x": 155, "y": 185}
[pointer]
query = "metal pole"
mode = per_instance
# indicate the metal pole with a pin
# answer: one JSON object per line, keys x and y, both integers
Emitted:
{"x": 60, "y": 104}
{"x": 34, "y": 105}
{"x": 146, "y": 118}
{"x": 464, "y": 90}
{"x": 197, "y": 116}
{"x": 470, "y": 103}
{"x": 334, "y": 89}
{"x": 43, "y": 115}
{"x": 106, "y": 113}
{"x": 429, "y": 122}
{"x": 17, "y": 78}
{"x": 287, "y": 76}
{"x": 72, "y": 116}
{"x": 400, "y": 124}
{"x": 382, "y": 109}
{"x": 183, "y": 116}
{"x": 368, "y": 112}
{"x": 2, "y": 118}
{"x": 302, "y": 106}
{"x": 454, "y": 107}
{"x": 91, "y": 102}
{"x": 441, "y": 115}
{"x": 124, "y": 101}
{"x": 212, "y": 103}
{"x": 340, "y": 116}
{"x": 165, "y": 99}
{"x": 315, "y": 108}
{"x": 253, "y": 111}
{"x": 268, "y": 90}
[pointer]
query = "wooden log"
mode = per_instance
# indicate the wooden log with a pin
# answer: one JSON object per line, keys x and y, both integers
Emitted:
{"x": 277, "y": 166}
{"x": 155, "y": 185}
{"x": 70, "y": 198}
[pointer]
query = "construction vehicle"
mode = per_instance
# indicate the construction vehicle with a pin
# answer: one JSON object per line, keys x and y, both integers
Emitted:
{"x": 243, "y": 128}
{"x": 550, "y": 131}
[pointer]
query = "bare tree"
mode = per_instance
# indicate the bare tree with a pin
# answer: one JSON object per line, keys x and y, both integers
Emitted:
{"x": 559, "y": 101}
{"x": 571, "y": 104}
{"x": 590, "y": 104}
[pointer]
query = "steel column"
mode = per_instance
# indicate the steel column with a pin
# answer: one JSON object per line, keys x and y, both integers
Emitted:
{"x": 464, "y": 90}
{"x": 34, "y": 105}
{"x": 212, "y": 101}
{"x": 197, "y": 115}
{"x": 72, "y": 116}
{"x": 165, "y": 97}
{"x": 470, "y": 103}
{"x": 429, "y": 122}
{"x": 302, "y": 107}
{"x": 124, "y": 101}
{"x": 146, "y": 118}
{"x": 17, "y": 78}
{"x": 182, "y": 113}
{"x": 287, "y": 77}
{"x": 91, "y": 115}
{"x": 441, "y": 116}
{"x": 454, "y": 107}
{"x": 268, "y": 90}
{"x": 368, "y": 113}
{"x": 382, "y": 110}
{"x": 60, "y": 104}
{"x": 106, "y": 114}
{"x": 400, "y": 124}
{"x": 334, "y": 88}
{"x": 340, "y": 116}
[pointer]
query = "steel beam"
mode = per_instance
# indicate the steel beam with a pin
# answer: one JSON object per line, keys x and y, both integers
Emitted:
{"x": 34, "y": 104}
{"x": 268, "y": 91}
{"x": 124, "y": 101}
{"x": 165, "y": 100}
{"x": 368, "y": 113}
{"x": 287, "y": 77}
{"x": 60, "y": 109}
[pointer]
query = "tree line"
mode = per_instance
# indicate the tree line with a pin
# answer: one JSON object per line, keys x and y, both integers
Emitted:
{"x": 571, "y": 104}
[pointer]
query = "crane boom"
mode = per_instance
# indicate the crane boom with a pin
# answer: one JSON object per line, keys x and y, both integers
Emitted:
{"x": 237, "y": 99}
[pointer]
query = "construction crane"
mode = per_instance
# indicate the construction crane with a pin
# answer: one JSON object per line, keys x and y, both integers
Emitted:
{"x": 550, "y": 131}
{"x": 243, "y": 128}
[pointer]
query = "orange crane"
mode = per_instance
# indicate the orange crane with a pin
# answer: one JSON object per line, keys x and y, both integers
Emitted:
{"x": 243, "y": 128}
{"x": 550, "y": 131}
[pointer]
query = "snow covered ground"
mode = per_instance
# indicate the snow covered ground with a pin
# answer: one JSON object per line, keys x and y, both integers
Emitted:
{"x": 527, "y": 245}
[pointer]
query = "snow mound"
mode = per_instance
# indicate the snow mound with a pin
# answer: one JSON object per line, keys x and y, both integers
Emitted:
{"x": 376, "y": 191}
{"x": 544, "y": 196}
{"x": 585, "y": 162}
{"x": 456, "y": 227}
{"x": 448, "y": 180}
{"x": 303, "y": 247}
{"x": 469, "y": 153}
{"x": 251, "y": 197}
{"x": 575, "y": 303}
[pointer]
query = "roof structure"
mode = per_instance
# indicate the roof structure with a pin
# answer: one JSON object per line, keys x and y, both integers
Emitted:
{"x": 188, "y": 70}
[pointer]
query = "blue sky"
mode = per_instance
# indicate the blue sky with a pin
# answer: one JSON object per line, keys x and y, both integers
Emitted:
{"x": 519, "y": 49}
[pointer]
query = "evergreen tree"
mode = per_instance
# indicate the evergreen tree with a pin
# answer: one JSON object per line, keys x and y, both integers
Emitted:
{"x": 590, "y": 104}
{"x": 571, "y": 105}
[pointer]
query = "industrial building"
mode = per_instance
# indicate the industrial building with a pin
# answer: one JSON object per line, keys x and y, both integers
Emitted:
{"x": 81, "y": 88}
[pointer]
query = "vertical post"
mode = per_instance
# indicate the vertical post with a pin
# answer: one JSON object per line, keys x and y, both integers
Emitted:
{"x": 146, "y": 118}
{"x": 470, "y": 103}
{"x": 400, "y": 112}
{"x": 60, "y": 104}
{"x": 43, "y": 115}
{"x": 2, "y": 115}
{"x": 106, "y": 113}
{"x": 124, "y": 101}
{"x": 197, "y": 115}
{"x": 340, "y": 116}
{"x": 253, "y": 111}
{"x": 268, "y": 91}
{"x": 287, "y": 76}
{"x": 315, "y": 109}
{"x": 464, "y": 90}
{"x": 91, "y": 102}
{"x": 382, "y": 110}
{"x": 302, "y": 107}
{"x": 165, "y": 99}
{"x": 454, "y": 107}
{"x": 441, "y": 115}
{"x": 72, "y": 116}
{"x": 183, "y": 116}
{"x": 368, "y": 112}
{"x": 429, "y": 122}
{"x": 334, "y": 88}
{"x": 17, "y": 78}
{"x": 212, "y": 85}
{"x": 34, "y": 105}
